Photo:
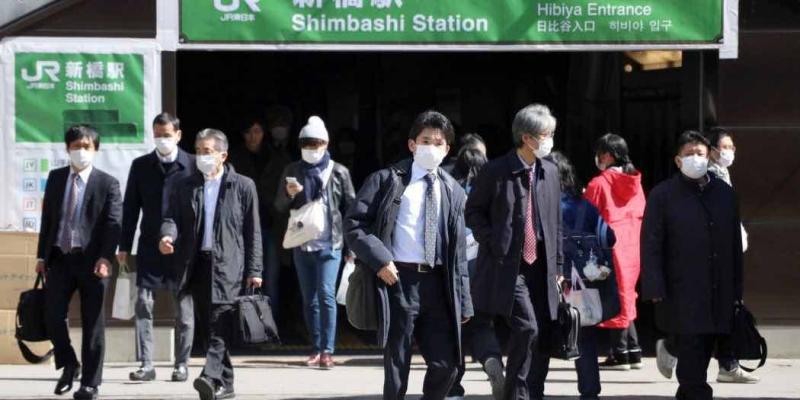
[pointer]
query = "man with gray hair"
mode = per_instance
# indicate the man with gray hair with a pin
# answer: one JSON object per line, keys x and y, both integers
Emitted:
{"x": 514, "y": 213}
{"x": 213, "y": 228}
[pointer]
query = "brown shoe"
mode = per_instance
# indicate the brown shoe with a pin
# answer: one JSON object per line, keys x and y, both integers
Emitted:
{"x": 313, "y": 360}
{"x": 326, "y": 362}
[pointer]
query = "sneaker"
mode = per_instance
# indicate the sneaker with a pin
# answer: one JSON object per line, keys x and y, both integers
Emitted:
{"x": 143, "y": 375}
{"x": 326, "y": 361}
{"x": 635, "y": 359}
{"x": 616, "y": 362}
{"x": 313, "y": 360}
{"x": 494, "y": 369}
{"x": 664, "y": 361}
{"x": 736, "y": 375}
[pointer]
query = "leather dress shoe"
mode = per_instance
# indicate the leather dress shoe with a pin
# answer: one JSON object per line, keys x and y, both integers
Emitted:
{"x": 85, "y": 393}
{"x": 180, "y": 374}
{"x": 205, "y": 388}
{"x": 224, "y": 393}
{"x": 68, "y": 375}
{"x": 143, "y": 375}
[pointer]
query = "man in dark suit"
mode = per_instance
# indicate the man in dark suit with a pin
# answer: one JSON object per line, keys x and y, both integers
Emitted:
{"x": 692, "y": 261}
{"x": 213, "y": 227}
{"x": 407, "y": 226}
{"x": 514, "y": 213}
{"x": 81, "y": 217}
{"x": 151, "y": 180}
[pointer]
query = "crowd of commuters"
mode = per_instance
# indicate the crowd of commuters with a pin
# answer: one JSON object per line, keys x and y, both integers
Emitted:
{"x": 456, "y": 245}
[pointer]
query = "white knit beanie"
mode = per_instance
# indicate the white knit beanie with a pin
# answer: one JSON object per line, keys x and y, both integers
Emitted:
{"x": 314, "y": 129}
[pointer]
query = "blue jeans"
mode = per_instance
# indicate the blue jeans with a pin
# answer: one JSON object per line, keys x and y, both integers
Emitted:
{"x": 316, "y": 273}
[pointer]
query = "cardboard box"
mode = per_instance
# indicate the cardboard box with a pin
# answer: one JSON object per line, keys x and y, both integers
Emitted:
{"x": 9, "y": 350}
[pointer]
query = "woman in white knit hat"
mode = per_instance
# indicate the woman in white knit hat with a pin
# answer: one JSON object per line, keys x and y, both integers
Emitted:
{"x": 317, "y": 261}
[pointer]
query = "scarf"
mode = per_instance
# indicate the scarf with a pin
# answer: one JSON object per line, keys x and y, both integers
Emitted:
{"x": 312, "y": 177}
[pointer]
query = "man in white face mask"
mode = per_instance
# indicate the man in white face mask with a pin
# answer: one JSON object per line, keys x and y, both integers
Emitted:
{"x": 514, "y": 213}
{"x": 151, "y": 181}
{"x": 407, "y": 226}
{"x": 81, "y": 217}
{"x": 692, "y": 255}
{"x": 212, "y": 226}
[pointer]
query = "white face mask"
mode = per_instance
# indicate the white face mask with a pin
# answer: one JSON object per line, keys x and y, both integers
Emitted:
{"x": 81, "y": 159}
{"x": 428, "y": 156}
{"x": 166, "y": 145}
{"x": 312, "y": 156}
{"x": 545, "y": 147}
{"x": 597, "y": 164}
{"x": 694, "y": 166}
{"x": 207, "y": 164}
{"x": 726, "y": 158}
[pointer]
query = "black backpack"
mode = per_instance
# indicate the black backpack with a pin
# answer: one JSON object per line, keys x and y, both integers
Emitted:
{"x": 31, "y": 325}
{"x": 748, "y": 344}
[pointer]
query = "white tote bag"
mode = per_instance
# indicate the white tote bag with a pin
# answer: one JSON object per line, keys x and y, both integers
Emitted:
{"x": 586, "y": 300}
{"x": 305, "y": 224}
{"x": 124, "y": 306}
{"x": 341, "y": 293}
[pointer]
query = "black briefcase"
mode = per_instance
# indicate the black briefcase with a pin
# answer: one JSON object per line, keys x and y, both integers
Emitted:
{"x": 256, "y": 323}
{"x": 362, "y": 298}
{"x": 31, "y": 325}
{"x": 566, "y": 331}
{"x": 748, "y": 344}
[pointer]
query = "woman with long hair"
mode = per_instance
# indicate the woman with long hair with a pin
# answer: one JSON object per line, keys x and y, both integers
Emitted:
{"x": 617, "y": 192}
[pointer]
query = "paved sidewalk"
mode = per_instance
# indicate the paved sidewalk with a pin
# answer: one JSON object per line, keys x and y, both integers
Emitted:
{"x": 361, "y": 377}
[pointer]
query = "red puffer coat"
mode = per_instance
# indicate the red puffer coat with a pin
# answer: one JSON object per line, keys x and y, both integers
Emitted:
{"x": 621, "y": 201}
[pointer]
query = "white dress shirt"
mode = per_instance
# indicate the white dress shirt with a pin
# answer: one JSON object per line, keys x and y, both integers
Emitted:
{"x": 169, "y": 158}
{"x": 408, "y": 240}
{"x": 210, "y": 197}
{"x": 83, "y": 179}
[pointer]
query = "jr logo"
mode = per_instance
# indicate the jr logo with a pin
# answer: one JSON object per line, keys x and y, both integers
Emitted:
{"x": 233, "y": 5}
{"x": 49, "y": 68}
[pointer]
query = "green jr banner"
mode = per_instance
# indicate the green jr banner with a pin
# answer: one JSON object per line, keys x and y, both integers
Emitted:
{"x": 499, "y": 22}
{"x": 53, "y": 91}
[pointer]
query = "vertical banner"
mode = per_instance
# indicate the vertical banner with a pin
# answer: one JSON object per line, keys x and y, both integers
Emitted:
{"x": 51, "y": 84}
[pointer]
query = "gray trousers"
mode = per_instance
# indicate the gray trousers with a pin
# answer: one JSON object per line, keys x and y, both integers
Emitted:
{"x": 184, "y": 327}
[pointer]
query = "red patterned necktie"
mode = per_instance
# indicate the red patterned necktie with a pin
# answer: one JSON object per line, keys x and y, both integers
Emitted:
{"x": 529, "y": 249}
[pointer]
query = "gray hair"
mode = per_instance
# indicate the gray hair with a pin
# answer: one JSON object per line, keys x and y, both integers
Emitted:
{"x": 220, "y": 140}
{"x": 534, "y": 119}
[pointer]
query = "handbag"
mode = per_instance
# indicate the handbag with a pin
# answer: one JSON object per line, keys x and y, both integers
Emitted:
{"x": 124, "y": 305}
{"x": 305, "y": 224}
{"x": 31, "y": 325}
{"x": 566, "y": 330}
{"x": 586, "y": 300}
{"x": 748, "y": 344}
{"x": 362, "y": 299}
{"x": 344, "y": 283}
{"x": 256, "y": 323}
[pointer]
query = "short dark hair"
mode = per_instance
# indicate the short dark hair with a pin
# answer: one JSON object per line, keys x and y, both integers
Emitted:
{"x": 252, "y": 120}
{"x": 690, "y": 137}
{"x": 469, "y": 160}
{"x": 78, "y": 132}
{"x": 433, "y": 120}
{"x": 566, "y": 173}
{"x": 616, "y": 146}
{"x": 715, "y": 134}
{"x": 307, "y": 141}
{"x": 166, "y": 118}
{"x": 470, "y": 140}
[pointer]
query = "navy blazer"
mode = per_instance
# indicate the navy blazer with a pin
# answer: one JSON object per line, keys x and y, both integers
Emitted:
{"x": 495, "y": 212}
{"x": 101, "y": 215}
{"x": 148, "y": 190}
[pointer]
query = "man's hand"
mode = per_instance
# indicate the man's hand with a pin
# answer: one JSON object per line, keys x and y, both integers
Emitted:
{"x": 122, "y": 257}
{"x": 254, "y": 282}
{"x": 293, "y": 188}
{"x": 165, "y": 245}
{"x": 40, "y": 268}
{"x": 388, "y": 274}
{"x": 102, "y": 268}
